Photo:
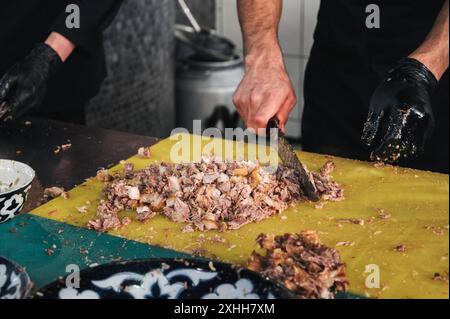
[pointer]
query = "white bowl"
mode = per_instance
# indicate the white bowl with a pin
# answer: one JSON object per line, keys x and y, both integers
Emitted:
{"x": 15, "y": 182}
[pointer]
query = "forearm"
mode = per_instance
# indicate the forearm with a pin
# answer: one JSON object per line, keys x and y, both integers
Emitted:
{"x": 434, "y": 51}
{"x": 266, "y": 90}
{"x": 63, "y": 46}
{"x": 259, "y": 22}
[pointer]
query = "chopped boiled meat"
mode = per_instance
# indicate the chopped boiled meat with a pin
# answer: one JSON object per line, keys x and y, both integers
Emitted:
{"x": 301, "y": 263}
{"x": 103, "y": 176}
{"x": 438, "y": 277}
{"x": 53, "y": 192}
{"x": 107, "y": 217}
{"x": 145, "y": 152}
{"x": 329, "y": 189}
{"x": 210, "y": 195}
{"x": 83, "y": 209}
{"x": 62, "y": 148}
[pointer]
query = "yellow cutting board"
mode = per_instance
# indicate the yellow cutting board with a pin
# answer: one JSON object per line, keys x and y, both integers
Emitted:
{"x": 417, "y": 201}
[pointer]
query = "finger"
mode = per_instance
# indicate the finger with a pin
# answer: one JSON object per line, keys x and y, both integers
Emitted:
{"x": 429, "y": 126}
{"x": 242, "y": 114}
{"x": 285, "y": 111}
{"x": 389, "y": 152}
{"x": 259, "y": 120}
{"x": 418, "y": 128}
{"x": 8, "y": 83}
{"x": 240, "y": 104}
{"x": 3, "y": 110}
{"x": 5, "y": 87}
{"x": 19, "y": 103}
{"x": 396, "y": 142}
{"x": 371, "y": 127}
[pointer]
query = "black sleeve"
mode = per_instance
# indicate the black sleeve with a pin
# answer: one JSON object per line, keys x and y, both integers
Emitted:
{"x": 95, "y": 16}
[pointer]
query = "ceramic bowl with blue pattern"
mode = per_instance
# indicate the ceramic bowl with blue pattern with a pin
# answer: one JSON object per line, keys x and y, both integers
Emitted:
{"x": 14, "y": 281}
{"x": 15, "y": 183}
{"x": 165, "y": 279}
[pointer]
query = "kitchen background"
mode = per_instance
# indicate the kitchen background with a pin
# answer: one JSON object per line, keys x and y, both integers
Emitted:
{"x": 139, "y": 93}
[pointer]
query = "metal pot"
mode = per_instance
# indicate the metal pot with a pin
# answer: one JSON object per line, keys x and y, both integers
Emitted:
{"x": 204, "y": 91}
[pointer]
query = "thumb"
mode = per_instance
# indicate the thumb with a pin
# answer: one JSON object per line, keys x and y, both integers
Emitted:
{"x": 258, "y": 121}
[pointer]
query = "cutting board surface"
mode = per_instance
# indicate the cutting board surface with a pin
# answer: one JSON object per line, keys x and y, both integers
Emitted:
{"x": 417, "y": 201}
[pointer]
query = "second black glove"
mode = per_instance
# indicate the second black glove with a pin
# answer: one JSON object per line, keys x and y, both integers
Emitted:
{"x": 401, "y": 105}
{"x": 24, "y": 86}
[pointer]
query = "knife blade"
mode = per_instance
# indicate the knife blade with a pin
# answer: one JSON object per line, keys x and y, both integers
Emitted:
{"x": 290, "y": 160}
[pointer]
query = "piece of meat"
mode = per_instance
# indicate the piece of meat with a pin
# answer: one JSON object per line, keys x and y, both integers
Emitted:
{"x": 301, "y": 263}
{"x": 438, "y": 277}
{"x": 103, "y": 176}
{"x": 328, "y": 189}
{"x": 83, "y": 209}
{"x": 209, "y": 195}
{"x": 401, "y": 248}
{"x": 144, "y": 213}
{"x": 145, "y": 152}
{"x": 107, "y": 218}
{"x": 53, "y": 192}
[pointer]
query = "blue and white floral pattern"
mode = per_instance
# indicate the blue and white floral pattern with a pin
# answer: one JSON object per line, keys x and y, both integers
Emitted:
{"x": 14, "y": 281}
{"x": 168, "y": 279}
{"x": 16, "y": 179}
{"x": 12, "y": 204}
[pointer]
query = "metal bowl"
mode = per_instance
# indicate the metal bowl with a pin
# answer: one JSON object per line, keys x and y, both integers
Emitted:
{"x": 15, "y": 182}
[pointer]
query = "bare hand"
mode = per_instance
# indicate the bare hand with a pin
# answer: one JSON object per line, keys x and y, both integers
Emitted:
{"x": 265, "y": 91}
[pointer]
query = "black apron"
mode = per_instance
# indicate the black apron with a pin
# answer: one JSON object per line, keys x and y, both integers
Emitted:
{"x": 24, "y": 23}
{"x": 349, "y": 60}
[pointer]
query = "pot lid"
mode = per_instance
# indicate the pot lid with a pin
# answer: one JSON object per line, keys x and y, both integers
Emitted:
{"x": 207, "y": 43}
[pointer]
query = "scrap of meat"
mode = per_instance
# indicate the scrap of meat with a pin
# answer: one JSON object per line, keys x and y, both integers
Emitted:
{"x": 62, "y": 148}
{"x": 382, "y": 214}
{"x": 352, "y": 221}
{"x": 329, "y": 189}
{"x": 145, "y": 152}
{"x": 438, "y": 277}
{"x": 401, "y": 248}
{"x": 53, "y": 192}
{"x": 302, "y": 264}
{"x": 210, "y": 195}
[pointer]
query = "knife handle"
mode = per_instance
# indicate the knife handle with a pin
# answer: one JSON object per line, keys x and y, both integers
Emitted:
{"x": 274, "y": 123}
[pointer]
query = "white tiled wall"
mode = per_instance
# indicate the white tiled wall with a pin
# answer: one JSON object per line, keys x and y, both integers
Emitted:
{"x": 296, "y": 37}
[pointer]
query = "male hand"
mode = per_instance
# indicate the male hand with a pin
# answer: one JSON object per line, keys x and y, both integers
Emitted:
{"x": 265, "y": 91}
{"x": 24, "y": 86}
{"x": 401, "y": 109}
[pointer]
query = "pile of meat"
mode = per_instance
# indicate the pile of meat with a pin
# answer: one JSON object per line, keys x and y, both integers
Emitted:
{"x": 210, "y": 195}
{"x": 302, "y": 264}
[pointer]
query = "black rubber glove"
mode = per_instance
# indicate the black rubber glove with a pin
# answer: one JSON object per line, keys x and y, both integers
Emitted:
{"x": 401, "y": 110}
{"x": 24, "y": 86}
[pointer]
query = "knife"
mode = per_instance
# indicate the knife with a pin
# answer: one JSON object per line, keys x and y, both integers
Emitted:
{"x": 290, "y": 160}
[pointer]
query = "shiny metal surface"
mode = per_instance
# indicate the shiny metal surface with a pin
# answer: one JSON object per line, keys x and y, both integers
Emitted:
{"x": 204, "y": 91}
{"x": 290, "y": 159}
{"x": 92, "y": 148}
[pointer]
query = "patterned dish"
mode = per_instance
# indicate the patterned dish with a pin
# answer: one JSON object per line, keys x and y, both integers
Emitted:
{"x": 14, "y": 281}
{"x": 166, "y": 279}
{"x": 15, "y": 182}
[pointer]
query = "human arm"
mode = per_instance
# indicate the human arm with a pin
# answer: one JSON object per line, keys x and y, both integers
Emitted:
{"x": 401, "y": 105}
{"x": 23, "y": 87}
{"x": 266, "y": 90}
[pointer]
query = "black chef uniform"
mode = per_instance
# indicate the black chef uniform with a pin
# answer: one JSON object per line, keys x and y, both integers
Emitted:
{"x": 24, "y": 23}
{"x": 349, "y": 60}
